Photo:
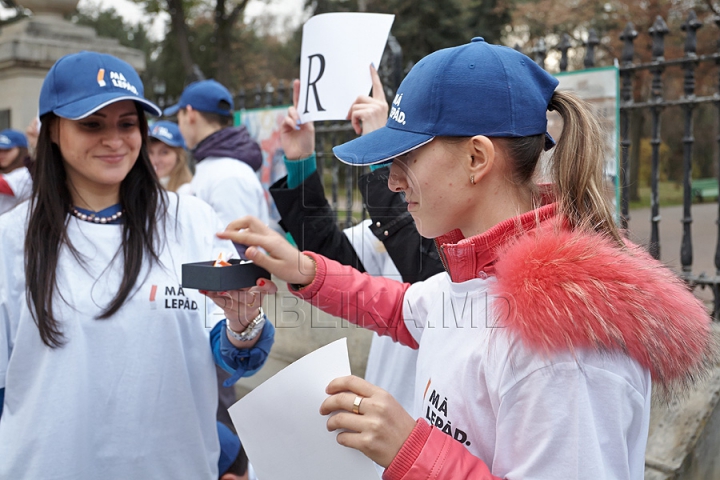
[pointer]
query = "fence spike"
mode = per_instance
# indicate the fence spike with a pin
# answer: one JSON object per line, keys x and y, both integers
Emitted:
{"x": 240, "y": 99}
{"x": 690, "y": 27}
{"x": 395, "y": 66}
{"x": 269, "y": 90}
{"x": 281, "y": 92}
{"x": 590, "y": 45}
{"x": 564, "y": 46}
{"x": 686, "y": 248}
{"x": 540, "y": 52}
{"x": 628, "y": 36}
{"x": 658, "y": 31}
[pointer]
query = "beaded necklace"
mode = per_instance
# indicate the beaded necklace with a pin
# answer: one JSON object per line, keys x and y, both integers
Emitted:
{"x": 93, "y": 218}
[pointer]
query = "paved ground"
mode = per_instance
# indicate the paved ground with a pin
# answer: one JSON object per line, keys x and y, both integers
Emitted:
{"x": 704, "y": 236}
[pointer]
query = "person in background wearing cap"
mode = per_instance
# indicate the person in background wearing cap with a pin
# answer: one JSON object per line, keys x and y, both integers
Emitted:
{"x": 106, "y": 365}
{"x": 168, "y": 156}
{"x": 15, "y": 181}
{"x": 539, "y": 347}
{"x": 226, "y": 156}
{"x": 13, "y": 150}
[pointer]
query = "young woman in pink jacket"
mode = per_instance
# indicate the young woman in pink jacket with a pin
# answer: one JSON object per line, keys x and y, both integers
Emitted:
{"x": 541, "y": 343}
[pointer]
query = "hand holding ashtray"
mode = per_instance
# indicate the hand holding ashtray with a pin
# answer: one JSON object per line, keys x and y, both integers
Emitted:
{"x": 222, "y": 275}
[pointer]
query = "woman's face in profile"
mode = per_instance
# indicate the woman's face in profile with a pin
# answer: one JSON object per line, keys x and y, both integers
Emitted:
{"x": 98, "y": 151}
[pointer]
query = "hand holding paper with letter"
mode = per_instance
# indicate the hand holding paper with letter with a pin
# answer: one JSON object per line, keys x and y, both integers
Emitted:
{"x": 336, "y": 51}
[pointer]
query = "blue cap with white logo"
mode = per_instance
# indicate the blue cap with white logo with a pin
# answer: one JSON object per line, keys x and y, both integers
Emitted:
{"x": 80, "y": 84}
{"x": 474, "y": 89}
{"x": 12, "y": 138}
{"x": 168, "y": 133}
{"x": 205, "y": 96}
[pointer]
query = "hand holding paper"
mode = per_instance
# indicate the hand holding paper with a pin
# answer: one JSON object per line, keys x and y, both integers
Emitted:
{"x": 296, "y": 139}
{"x": 281, "y": 427}
{"x": 336, "y": 51}
{"x": 369, "y": 113}
{"x": 380, "y": 426}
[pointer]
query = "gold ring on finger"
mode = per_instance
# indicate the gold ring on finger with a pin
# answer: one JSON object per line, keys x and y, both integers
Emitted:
{"x": 356, "y": 404}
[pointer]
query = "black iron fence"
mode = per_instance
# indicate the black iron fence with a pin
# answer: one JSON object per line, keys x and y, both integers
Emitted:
{"x": 342, "y": 178}
{"x": 656, "y": 102}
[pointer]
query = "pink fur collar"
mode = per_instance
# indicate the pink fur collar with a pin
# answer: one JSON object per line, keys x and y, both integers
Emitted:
{"x": 572, "y": 290}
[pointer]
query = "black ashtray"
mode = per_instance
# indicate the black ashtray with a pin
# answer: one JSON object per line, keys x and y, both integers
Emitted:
{"x": 239, "y": 274}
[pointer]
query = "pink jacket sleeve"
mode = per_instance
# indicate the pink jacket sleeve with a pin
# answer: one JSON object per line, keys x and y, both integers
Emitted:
{"x": 430, "y": 454}
{"x": 371, "y": 302}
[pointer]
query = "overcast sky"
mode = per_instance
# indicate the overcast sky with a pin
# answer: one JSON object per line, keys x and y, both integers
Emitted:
{"x": 283, "y": 9}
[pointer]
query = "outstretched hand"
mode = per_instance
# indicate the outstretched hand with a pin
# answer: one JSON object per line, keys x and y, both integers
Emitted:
{"x": 297, "y": 139}
{"x": 279, "y": 257}
{"x": 381, "y": 425}
{"x": 369, "y": 113}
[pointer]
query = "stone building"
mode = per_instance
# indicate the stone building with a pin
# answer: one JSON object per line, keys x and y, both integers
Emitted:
{"x": 30, "y": 46}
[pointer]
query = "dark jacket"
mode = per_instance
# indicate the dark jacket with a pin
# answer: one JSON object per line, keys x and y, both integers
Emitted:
{"x": 307, "y": 216}
{"x": 232, "y": 142}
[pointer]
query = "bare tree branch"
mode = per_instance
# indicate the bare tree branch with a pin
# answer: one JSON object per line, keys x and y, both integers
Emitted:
{"x": 177, "y": 17}
{"x": 712, "y": 7}
{"x": 237, "y": 11}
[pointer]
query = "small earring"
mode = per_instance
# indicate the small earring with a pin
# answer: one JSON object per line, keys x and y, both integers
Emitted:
{"x": 472, "y": 179}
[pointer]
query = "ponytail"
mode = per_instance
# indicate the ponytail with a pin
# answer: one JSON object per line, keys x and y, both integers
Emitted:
{"x": 577, "y": 168}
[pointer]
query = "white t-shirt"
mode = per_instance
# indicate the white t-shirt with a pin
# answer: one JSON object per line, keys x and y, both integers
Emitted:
{"x": 390, "y": 365}
{"x": 130, "y": 397}
{"x": 231, "y": 187}
{"x": 481, "y": 387}
{"x": 20, "y": 182}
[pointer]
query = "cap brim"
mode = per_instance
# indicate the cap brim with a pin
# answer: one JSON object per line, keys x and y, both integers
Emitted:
{"x": 166, "y": 141}
{"x": 170, "y": 111}
{"x": 380, "y": 146}
{"x": 88, "y": 106}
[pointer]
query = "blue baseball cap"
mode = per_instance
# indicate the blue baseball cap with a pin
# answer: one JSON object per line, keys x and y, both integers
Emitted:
{"x": 12, "y": 138}
{"x": 168, "y": 133}
{"x": 204, "y": 96}
{"x": 80, "y": 84}
{"x": 474, "y": 89}
{"x": 229, "y": 447}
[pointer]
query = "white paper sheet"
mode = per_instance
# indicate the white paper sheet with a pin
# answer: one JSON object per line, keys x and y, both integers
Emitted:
{"x": 280, "y": 425}
{"x": 337, "y": 50}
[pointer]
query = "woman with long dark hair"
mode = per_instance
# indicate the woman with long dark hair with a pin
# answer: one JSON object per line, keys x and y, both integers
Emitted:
{"x": 106, "y": 367}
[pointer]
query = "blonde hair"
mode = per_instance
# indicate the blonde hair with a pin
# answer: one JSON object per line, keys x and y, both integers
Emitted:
{"x": 576, "y": 166}
{"x": 180, "y": 174}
